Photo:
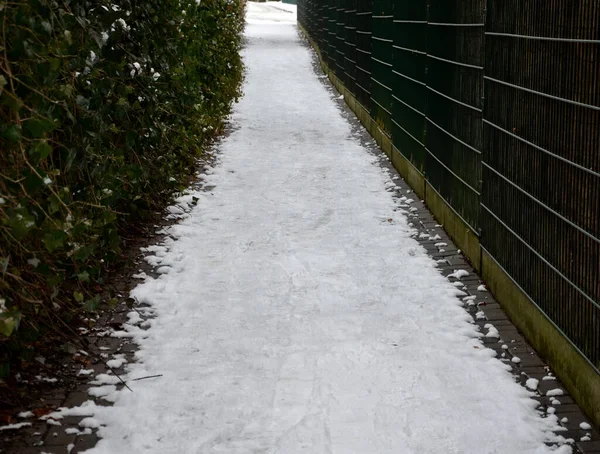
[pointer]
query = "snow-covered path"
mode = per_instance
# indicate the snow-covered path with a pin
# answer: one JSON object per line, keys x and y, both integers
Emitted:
{"x": 295, "y": 312}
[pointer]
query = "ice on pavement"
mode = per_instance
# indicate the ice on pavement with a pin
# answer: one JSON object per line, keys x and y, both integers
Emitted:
{"x": 294, "y": 317}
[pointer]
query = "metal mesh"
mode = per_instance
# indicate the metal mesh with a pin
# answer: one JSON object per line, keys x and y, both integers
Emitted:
{"x": 501, "y": 113}
{"x": 364, "y": 10}
{"x": 350, "y": 41}
{"x": 409, "y": 52}
{"x": 454, "y": 139}
{"x": 541, "y": 197}
{"x": 381, "y": 63}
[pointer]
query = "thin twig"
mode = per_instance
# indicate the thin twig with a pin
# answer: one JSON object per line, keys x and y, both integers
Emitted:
{"x": 149, "y": 376}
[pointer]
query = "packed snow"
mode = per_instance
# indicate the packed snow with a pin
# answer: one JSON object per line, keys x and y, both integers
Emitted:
{"x": 457, "y": 274}
{"x": 532, "y": 383}
{"x": 295, "y": 316}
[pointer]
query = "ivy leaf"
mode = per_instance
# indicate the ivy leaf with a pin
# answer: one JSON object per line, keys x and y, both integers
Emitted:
{"x": 21, "y": 224}
{"x": 12, "y": 133}
{"x": 37, "y": 127}
{"x": 54, "y": 204}
{"x": 9, "y": 322}
{"x": 91, "y": 304}
{"x": 40, "y": 150}
{"x": 84, "y": 276}
{"x": 54, "y": 240}
{"x": 78, "y": 296}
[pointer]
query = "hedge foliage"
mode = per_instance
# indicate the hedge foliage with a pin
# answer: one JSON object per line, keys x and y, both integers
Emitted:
{"x": 104, "y": 108}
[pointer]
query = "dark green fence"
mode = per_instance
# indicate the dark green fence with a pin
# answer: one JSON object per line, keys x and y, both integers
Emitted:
{"x": 497, "y": 104}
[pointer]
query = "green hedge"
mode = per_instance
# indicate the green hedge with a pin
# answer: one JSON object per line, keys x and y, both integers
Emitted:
{"x": 105, "y": 107}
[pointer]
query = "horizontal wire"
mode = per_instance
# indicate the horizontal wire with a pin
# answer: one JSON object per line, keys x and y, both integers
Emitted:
{"x": 556, "y": 270}
{"x": 542, "y": 204}
{"x": 557, "y": 98}
{"x": 545, "y": 38}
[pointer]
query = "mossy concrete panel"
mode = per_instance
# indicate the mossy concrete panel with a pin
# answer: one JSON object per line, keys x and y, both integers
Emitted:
{"x": 351, "y": 101}
{"x": 363, "y": 115}
{"x": 457, "y": 229}
{"x": 387, "y": 145}
{"x": 410, "y": 173}
{"x": 580, "y": 379}
{"x": 383, "y": 140}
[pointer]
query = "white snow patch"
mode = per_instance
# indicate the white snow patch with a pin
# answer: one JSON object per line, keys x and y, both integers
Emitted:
{"x": 85, "y": 372}
{"x": 492, "y": 331}
{"x": 15, "y": 426}
{"x": 46, "y": 379}
{"x": 76, "y": 431}
{"x": 555, "y": 392}
{"x": 117, "y": 362}
{"x": 105, "y": 379}
{"x": 585, "y": 426}
{"x": 25, "y": 414}
{"x": 532, "y": 383}
{"x": 86, "y": 409}
{"x": 91, "y": 423}
{"x": 458, "y": 274}
{"x": 105, "y": 391}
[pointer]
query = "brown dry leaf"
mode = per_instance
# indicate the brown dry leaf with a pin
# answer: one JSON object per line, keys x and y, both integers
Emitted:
{"x": 81, "y": 359}
{"x": 42, "y": 411}
{"x": 5, "y": 417}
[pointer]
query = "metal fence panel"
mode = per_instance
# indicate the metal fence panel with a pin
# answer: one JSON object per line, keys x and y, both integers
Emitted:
{"x": 332, "y": 42}
{"x": 409, "y": 58}
{"x": 541, "y": 198}
{"x": 350, "y": 41}
{"x": 364, "y": 10}
{"x": 382, "y": 41}
{"x": 454, "y": 139}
